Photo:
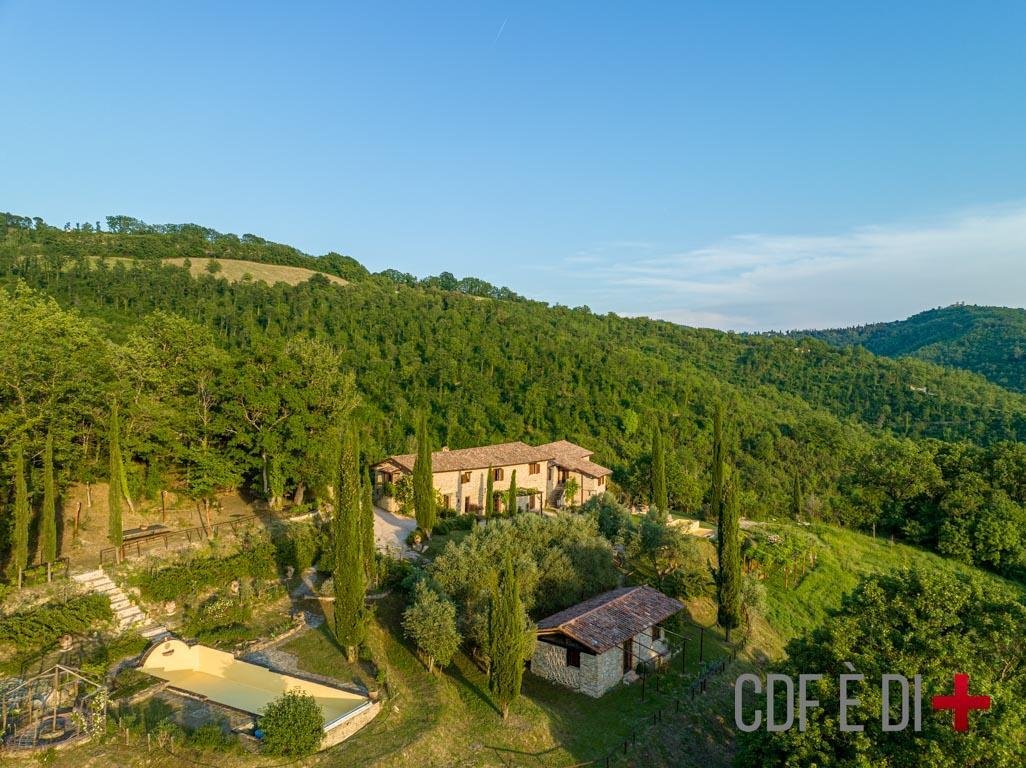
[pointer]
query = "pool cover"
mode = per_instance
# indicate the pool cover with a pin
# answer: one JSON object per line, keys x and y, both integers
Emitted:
{"x": 220, "y": 677}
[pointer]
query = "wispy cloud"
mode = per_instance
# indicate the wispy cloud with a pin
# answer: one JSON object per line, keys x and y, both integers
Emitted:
{"x": 501, "y": 28}
{"x": 760, "y": 282}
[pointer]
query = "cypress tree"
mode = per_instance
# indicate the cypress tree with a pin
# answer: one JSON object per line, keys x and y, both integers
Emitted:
{"x": 348, "y": 578}
{"x": 423, "y": 480}
{"x": 115, "y": 532}
{"x": 48, "y": 521}
{"x": 367, "y": 519}
{"x": 490, "y": 493}
{"x": 22, "y": 512}
{"x": 716, "y": 500}
{"x": 659, "y": 499}
{"x": 796, "y": 497}
{"x": 511, "y": 495}
{"x": 506, "y": 630}
{"x": 729, "y": 614}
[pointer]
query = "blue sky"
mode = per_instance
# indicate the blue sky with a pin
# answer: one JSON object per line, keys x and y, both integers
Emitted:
{"x": 743, "y": 165}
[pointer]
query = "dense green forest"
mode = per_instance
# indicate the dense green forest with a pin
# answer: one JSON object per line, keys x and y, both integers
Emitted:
{"x": 988, "y": 340}
{"x": 224, "y": 385}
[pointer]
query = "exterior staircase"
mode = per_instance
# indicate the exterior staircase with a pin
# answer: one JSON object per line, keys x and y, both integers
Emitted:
{"x": 128, "y": 615}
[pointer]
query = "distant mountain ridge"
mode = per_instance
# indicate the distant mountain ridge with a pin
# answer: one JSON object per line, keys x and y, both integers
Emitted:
{"x": 990, "y": 341}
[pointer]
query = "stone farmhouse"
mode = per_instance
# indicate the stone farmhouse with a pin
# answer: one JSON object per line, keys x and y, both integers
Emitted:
{"x": 591, "y": 646}
{"x": 461, "y": 476}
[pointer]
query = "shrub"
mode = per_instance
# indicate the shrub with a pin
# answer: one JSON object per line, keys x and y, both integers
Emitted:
{"x": 298, "y": 545}
{"x": 394, "y": 571}
{"x": 42, "y": 627}
{"x": 227, "y": 637}
{"x": 99, "y": 660}
{"x": 146, "y": 717}
{"x": 292, "y": 725}
{"x": 212, "y": 737}
{"x": 613, "y": 519}
{"x": 189, "y": 577}
{"x": 454, "y": 523}
{"x": 402, "y": 492}
{"x": 219, "y": 613}
{"x": 131, "y": 681}
{"x": 168, "y": 733}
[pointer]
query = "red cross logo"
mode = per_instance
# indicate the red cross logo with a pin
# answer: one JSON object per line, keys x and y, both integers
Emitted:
{"x": 960, "y": 703}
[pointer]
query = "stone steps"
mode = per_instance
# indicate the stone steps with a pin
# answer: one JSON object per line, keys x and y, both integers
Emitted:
{"x": 127, "y": 613}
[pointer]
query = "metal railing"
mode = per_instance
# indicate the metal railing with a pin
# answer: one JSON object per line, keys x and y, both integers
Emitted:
{"x": 139, "y": 546}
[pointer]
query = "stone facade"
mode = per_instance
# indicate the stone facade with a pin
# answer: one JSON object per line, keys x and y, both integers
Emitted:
{"x": 465, "y": 489}
{"x": 549, "y": 661}
{"x": 598, "y": 672}
{"x": 461, "y": 481}
{"x": 605, "y": 672}
{"x": 555, "y": 486}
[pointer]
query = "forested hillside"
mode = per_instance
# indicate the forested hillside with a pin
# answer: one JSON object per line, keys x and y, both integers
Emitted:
{"x": 987, "y": 340}
{"x": 226, "y": 384}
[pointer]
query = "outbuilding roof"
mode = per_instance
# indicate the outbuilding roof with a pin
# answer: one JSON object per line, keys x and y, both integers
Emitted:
{"x": 607, "y": 620}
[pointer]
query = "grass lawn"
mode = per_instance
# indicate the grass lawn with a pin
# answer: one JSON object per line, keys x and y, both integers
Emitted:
{"x": 439, "y": 541}
{"x": 449, "y": 719}
{"x": 845, "y": 556}
{"x": 317, "y": 652}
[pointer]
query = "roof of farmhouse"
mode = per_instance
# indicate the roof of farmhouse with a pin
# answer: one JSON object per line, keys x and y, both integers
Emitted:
{"x": 605, "y": 621}
{"x": 563, "y": 452}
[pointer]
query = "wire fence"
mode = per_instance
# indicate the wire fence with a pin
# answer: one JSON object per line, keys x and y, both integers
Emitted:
{"x": 672, "y": 706}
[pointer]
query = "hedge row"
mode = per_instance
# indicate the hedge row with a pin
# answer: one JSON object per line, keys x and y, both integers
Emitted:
{"x": 42, "y": 627}
{"x": 188, "y": 577}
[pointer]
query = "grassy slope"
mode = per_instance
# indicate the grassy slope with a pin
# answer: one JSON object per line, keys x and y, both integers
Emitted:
{"x": 449, "y": 720}
{"x": 844, "y": 557}
{"x": 234, "y": 270}
{"x": 443, "y": 720}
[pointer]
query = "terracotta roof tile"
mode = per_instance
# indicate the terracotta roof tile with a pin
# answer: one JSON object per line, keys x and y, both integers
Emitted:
{"x": 563, "y": 452}
{"x": 607, "y": 620}
{"x": 500, "y": 455}
{"x": 564, "y": 449}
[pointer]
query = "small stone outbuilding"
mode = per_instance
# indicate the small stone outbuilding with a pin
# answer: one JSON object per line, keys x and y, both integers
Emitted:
{"x": 590, "y": 646}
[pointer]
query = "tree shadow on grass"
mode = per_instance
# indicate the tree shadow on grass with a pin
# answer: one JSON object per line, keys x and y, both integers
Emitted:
{"x": 460, "y": 677}
{"x": 513, "y": 757}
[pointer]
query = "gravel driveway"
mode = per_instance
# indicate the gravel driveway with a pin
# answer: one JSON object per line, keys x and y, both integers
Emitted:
{"x": 390, "y": 532}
